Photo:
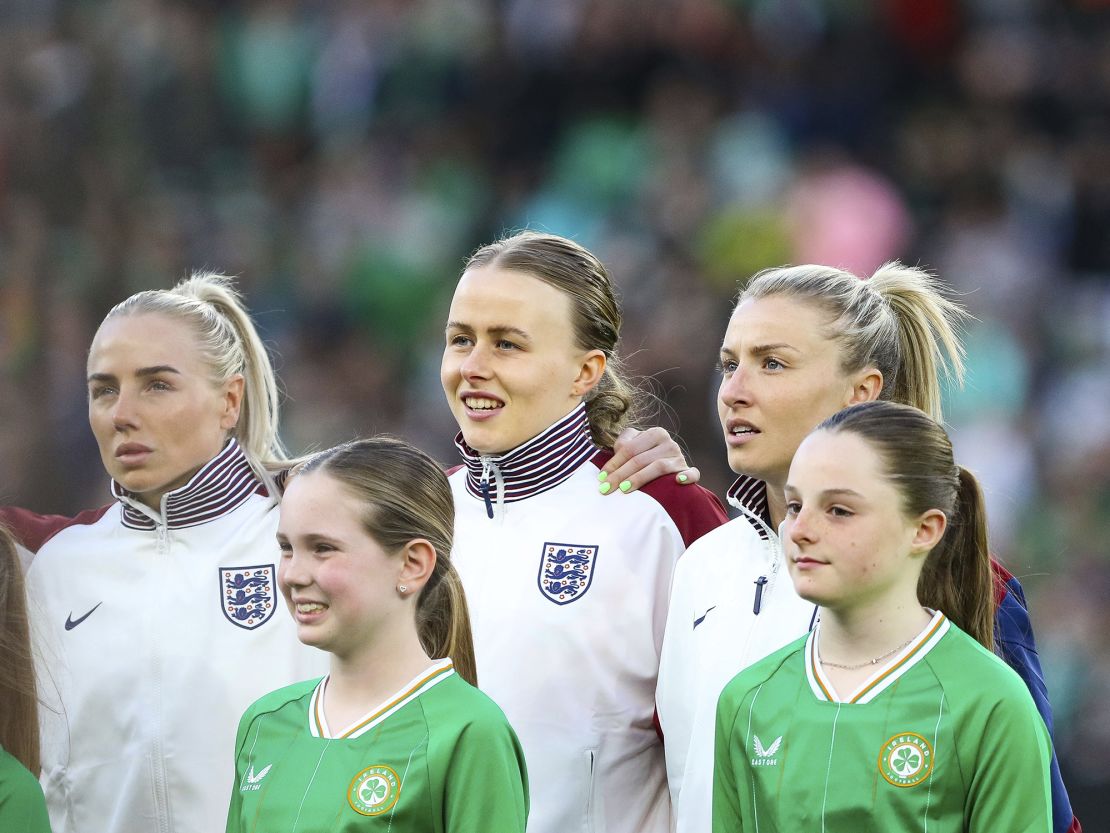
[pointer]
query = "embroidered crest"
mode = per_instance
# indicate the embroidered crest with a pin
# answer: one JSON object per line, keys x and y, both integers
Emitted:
{"x": 906, "y": 760}
{"x": 374, "y": 791}
{"x": 766, "y": 755}
{"x": 566, "y": 571}
{"x": 247, "y": 594}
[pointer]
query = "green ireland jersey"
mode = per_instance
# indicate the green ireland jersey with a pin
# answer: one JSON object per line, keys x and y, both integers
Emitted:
{"x": 437, "y": 757}
{"x": 22, "y": 805}
{"x": 945, "y": 739}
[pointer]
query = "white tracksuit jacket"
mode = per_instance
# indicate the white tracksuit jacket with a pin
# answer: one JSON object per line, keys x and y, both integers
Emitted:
{"x": 568, "y": 595}
{"x": 155, "y": 632}
{"x": 713, "y": 633}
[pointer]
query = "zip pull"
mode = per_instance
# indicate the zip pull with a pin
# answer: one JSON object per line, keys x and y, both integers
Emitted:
{"x": 485, "y": 494}
{"x": 483, "y": 484}
{"x": 760, "y": 583}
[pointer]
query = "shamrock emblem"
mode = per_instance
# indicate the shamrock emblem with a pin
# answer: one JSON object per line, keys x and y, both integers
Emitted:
{"x": 374, "y": 791}
{"x": 906, "y": 760}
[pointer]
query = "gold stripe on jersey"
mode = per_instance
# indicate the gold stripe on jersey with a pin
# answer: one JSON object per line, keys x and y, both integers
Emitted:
{"x": 822, "y": 687}
{"x": 318, "y": 725}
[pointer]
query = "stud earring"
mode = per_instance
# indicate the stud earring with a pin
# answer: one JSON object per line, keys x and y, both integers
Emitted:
{"x": 402, "y": 589}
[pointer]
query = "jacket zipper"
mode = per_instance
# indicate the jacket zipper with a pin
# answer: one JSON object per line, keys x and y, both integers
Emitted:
{"x": 490, "y": 467}
{"x": 161, "y": 793}
{"x": 483, "y": 484}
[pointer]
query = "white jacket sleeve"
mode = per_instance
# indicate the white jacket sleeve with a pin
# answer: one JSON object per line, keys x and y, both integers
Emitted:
{"x": 677, "y": 668}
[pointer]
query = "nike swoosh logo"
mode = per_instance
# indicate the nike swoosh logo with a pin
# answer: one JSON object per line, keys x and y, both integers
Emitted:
{"x": 697, "y": 621}
{"x": 72, "y": 623}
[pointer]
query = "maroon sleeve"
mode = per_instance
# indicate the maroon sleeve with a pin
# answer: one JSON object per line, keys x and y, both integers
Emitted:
{"x": 694, "y": 510}
{"x": 33, "y": 530}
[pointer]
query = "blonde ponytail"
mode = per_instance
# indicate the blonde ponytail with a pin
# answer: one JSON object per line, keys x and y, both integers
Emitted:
{"x": 257, "y": 430}
{"x": 929, "y": 345}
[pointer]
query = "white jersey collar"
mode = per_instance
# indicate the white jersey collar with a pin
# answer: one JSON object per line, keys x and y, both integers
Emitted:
{"x": 886, "y": 676}
{"x": 433, "y": 675}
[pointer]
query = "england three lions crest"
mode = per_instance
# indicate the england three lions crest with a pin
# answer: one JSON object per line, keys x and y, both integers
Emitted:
{"x": 247, "y": 595}
{"x": 566, "y": 571}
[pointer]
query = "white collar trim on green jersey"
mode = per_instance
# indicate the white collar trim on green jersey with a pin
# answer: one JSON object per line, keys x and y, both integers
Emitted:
{"x": 878, "y": 682}
{"x": 433, "y": 675}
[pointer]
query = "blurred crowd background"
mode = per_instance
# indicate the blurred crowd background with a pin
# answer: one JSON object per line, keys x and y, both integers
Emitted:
{"x": 343, "y": 158}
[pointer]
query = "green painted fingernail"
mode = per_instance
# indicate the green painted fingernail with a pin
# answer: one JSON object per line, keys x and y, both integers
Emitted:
{"x": 605, "y": 488}
{"x": 682, "y": 478}
{"x": 603, "y": 476}
{"x": 626, "y": 485}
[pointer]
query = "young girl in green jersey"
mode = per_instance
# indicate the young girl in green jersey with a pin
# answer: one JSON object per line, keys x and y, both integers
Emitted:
{"x": 22, "y": 806}
{"x": 893, "y": 713}
{"x": 395, "y": 737}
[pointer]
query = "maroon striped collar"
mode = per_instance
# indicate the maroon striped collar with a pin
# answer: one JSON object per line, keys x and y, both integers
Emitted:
{"x": 220, "y": 487}
{"x": 750, "y": 496}
{"x": 536, "y": 466}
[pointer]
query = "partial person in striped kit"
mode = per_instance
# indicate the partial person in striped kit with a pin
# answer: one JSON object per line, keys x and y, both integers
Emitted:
{"x": 894, "y": 713}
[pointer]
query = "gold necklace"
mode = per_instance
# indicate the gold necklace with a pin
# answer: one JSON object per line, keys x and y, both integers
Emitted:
{"x": 864, "y": 664}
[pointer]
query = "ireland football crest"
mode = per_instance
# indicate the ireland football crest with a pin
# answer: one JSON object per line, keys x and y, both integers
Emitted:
{"x": 566, "y": 571}
{"x": 247, "y": 594}
{"x": 374, "y": 791}
{"x": 906, "y": 760}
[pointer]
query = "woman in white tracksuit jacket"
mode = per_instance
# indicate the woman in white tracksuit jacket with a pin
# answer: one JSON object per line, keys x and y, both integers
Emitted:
{"x": 157, "y": 617}
{"x": 567, "y": 589}
{"x": 802, "y": 343}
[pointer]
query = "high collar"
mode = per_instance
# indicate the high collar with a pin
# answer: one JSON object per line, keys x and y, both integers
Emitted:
{"x": 535, "y": 466}
{"x": 749, "y": 495}
{"x": 220, "y": 487}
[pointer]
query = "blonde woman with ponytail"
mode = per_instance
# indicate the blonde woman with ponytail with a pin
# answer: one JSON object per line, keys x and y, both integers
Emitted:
{"x": 395, "y": 736}
{"x": 568, "y": 588}
{"x": 893, "y": 713}
{"x": 802, "y": 343}
{"x": 157, "y": 616}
